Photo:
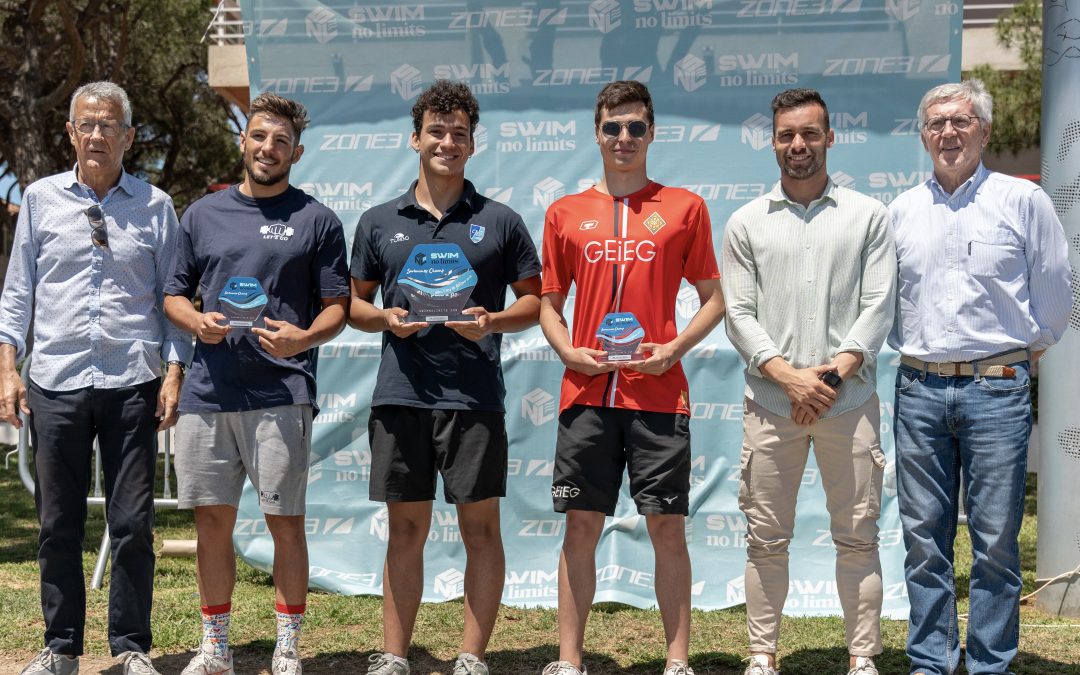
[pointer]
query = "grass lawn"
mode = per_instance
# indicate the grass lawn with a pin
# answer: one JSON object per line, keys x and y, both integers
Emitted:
{"x": 340, "y": 632}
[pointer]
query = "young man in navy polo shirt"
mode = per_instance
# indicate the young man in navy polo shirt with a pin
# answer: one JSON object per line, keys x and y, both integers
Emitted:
{"x": 438, "y": 400}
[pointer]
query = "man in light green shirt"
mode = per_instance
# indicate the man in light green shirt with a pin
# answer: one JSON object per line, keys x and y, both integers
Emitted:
{"x": 809, "y": 277}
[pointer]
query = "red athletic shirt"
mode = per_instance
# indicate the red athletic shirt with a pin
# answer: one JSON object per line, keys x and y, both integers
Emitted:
{"x": 627, "y": 254}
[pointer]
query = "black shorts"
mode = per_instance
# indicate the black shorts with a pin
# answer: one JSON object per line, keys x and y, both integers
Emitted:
{"x": 411, "y": 446}
{"x": 594, "y": 446}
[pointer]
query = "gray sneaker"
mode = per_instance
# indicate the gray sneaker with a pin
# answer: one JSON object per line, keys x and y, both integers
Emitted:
{"x": 205, "y": 662}
{"x": 136, "y": 663}
{"x": 467, "y": 664}
{"x": 679, "y": 668}
{"x": 385, "y": 664}
{"x": 563, "y": 668}
{"x": 758, "y": 668}
{"x": 286, "y": 662}
{"x": 47, "y": 663}
{"x": 864, "y": 665}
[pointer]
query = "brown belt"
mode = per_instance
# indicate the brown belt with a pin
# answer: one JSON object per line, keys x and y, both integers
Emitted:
{"x": 991, "y": 366}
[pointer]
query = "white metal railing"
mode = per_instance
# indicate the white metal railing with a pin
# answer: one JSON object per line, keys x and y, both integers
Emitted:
{"x": 226, "y": 27}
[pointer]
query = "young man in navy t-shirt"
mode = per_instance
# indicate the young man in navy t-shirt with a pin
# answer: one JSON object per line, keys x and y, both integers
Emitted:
{"x": 269, "y": 263}
{"x": 438, "y": 401}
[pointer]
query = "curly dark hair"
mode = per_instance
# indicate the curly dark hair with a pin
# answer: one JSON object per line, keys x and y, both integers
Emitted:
{"x": 615, "y": 94}
{"x": 269, "y": 103}
{"x": 443, "y": 97}
{"x": 797, "y": 98}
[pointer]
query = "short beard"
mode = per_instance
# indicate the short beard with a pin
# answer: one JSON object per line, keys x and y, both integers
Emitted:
{"x": 267, "y": 181}
{"x": 808, "y": 172}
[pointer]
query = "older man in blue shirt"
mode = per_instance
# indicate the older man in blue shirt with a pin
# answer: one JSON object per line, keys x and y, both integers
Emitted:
{"x": 983, "y": 291}
{"x": 93, "y": 248}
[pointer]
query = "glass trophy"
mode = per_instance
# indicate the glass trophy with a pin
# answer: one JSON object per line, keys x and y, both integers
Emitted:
{"x": 438, "y": 280}
{"x": 242, "y": 302}
{"x": 620, "y": 334}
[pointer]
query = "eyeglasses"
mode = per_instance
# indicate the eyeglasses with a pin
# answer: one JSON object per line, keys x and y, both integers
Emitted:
{"x": 108, "y": 129}
{"x": 99, "y": 235}
{"x": 959, "y": 123}
{"x": 613, "y": 129}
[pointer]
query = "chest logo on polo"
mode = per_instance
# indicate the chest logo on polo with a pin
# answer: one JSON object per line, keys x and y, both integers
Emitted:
{"x": 654, "y": 222}
{"x": 476, "y": 233}
{"x": 588, "y": 225}
{"x": 398, "y": 238}
{"x": 278, "y": 231}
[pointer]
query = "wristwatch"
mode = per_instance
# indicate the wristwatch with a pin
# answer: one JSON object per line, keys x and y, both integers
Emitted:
{"x": 833, "y": 379}
{"x": 183, "y": 366}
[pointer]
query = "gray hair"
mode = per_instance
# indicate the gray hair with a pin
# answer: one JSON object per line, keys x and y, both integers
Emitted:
{"x": 105, "y": 90}
{"x": 973, "y": 91}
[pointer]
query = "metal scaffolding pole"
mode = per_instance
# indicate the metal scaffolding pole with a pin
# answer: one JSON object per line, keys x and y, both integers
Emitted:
{"x": 1058, "y": 565}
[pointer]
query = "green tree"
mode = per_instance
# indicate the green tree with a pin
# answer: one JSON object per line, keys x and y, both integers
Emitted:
{"x": 186, "y": 133}
{"x": 1017, "y": 94}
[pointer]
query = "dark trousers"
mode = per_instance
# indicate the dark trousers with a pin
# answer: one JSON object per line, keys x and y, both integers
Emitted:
{"x": 63, "y": 425}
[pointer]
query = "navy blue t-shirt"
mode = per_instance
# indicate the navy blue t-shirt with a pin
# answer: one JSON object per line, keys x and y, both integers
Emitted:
{"x": 295, "y": 247}
{"x": 436, "y": 367}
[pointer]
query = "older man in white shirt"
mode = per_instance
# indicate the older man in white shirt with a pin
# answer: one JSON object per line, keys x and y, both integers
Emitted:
{"x": 983, "y": 291}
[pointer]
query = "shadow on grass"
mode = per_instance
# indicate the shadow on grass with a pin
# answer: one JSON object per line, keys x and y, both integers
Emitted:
{"x": 19, "y": 527}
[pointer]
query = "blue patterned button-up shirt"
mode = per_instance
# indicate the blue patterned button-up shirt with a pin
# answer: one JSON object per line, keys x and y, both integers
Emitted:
{"x": 96, "y": 310}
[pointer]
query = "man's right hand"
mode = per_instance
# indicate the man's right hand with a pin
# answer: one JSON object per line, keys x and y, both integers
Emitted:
{"x": 395, "y": 322}
{"x": 583, "y": 360}
{"x": 209, "y": 329}
{"x": 12, "y": 397}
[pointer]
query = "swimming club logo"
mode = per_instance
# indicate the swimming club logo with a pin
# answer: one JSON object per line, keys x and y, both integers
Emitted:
{"x": 476, "y": 233}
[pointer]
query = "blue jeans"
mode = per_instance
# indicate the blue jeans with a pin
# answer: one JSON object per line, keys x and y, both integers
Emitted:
{"x": 976, "y": 427}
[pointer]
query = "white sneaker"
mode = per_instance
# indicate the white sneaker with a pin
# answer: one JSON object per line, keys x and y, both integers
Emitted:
{"x": 864, "y": 665}
{"x": 563, "y": 668}
{"x": 386, "y": 664}
{"x": 286, "y": 662}
{"x": 48, "y": 663}
{"x": 679, "y": 668}
{"x": 136, "y": 663}
{"x": 468, "y": 664}
{"x": 759, "y": 665}
{"x": 205, "y": 662}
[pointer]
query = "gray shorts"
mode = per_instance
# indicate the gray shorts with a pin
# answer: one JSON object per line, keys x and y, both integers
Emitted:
{"x": 214, "y": 451}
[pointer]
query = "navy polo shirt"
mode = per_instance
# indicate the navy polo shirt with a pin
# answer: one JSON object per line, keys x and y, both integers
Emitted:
{"x": 436, "y": 367}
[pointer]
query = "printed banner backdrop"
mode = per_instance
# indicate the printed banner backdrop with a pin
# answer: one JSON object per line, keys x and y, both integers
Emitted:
{"x": 713, "y": 66}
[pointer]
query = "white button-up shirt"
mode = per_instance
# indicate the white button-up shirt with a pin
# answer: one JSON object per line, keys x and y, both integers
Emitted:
{"x": 983, "y": 270}
{"x": 805, "y": 283}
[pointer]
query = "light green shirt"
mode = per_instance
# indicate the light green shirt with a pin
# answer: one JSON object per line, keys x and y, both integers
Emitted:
{"x": 807, "y": 283}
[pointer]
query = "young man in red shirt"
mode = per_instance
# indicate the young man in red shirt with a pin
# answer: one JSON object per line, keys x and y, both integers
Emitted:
{"x": 626, "y": 244}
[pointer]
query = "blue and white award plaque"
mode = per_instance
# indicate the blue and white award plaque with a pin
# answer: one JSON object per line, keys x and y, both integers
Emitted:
{"x": 620, "y": 333}
{"x": 438, "y": 280}
{"x": 242, "y": 301}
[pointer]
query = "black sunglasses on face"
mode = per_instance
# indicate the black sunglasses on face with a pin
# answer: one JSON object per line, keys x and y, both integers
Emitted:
{"x": 99, "y": 235}
{"x": 612, "y": 129}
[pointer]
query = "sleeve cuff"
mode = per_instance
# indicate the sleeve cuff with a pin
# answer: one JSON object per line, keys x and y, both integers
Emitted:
{"x": 869, "y": 362}
{"x": 753, "y": 366}
{"x": 177, "y": 350}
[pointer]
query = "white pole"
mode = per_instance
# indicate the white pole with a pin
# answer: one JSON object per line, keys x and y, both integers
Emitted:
{"x": 1058, "y": 562}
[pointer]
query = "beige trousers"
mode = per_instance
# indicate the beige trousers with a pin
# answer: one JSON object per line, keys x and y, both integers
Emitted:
{"x": 851, "y": 464}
